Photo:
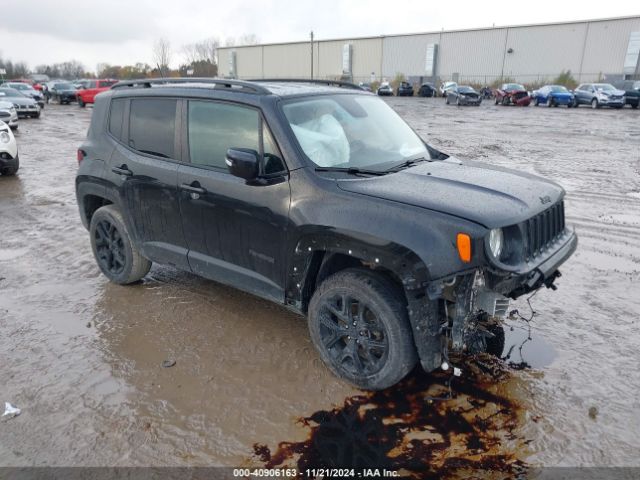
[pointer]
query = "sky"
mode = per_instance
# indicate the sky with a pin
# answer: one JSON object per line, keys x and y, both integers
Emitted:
{"x": 122, "y": 32}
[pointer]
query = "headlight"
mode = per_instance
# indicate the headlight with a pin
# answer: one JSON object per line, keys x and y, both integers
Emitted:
{"x": 4, "y": 137}
{"x": 496, "y": 241}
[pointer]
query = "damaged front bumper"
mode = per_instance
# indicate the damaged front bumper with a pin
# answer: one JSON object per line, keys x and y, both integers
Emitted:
{"x": 458, "y": 313}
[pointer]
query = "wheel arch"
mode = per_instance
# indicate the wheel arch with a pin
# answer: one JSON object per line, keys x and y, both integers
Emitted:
{"x": 317, "y": 256}
{"x": 90, "y": 197}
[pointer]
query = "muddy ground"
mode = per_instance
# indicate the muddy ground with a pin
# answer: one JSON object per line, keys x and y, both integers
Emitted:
{"x": 83, "y": 358}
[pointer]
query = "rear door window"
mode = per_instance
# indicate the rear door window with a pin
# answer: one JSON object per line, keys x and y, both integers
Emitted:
{"x": 152, "y": 124}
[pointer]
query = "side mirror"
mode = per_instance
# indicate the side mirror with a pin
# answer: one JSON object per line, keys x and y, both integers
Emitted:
{"x": 243, "y": 163}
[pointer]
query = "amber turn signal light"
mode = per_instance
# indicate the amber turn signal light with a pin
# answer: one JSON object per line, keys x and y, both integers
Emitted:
{"x": 463, "y": 242}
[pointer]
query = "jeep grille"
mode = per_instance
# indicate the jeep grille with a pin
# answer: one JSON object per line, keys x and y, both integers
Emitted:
{"x": 544, "y": 229}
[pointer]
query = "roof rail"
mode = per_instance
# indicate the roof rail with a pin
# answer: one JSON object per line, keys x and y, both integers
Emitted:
{"x": 221, "y": 82}
{"x": 330, "y": 83}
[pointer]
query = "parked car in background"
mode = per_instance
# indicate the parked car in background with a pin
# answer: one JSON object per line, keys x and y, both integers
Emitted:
{"x": 25, "y": 106}
{"x": 9, "y": 161}
{"x": 631, "y": 91}
{"x": 92, "y": 88}
{"x": 553, "y": 95}
{"x": 62, "y": 92}
{"x": 385, "y": 89}
{"x": 447, "y": 86}
{"x": 427, "y": 90}
{"x": 405, "y": 89}
{"x": 599, "y": 95}
{"x": 463, "y": 95}
{"x": 8, "y": 114}
{"x": 365, "y": 86}
{"x": 27, "y": 90}
{"x": 512, "y": 94}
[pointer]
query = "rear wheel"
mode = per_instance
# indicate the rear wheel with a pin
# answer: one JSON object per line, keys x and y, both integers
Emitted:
{"x": 358, "y": 322}
{"x": 117, "y": 256}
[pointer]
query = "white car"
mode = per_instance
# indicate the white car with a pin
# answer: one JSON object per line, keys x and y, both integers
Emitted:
{"x": 9, "y": 161}
{"x": 447, "y": 86}
{"x": 8, "y": 114}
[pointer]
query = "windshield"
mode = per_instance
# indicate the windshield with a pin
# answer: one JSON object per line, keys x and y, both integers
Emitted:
{"x": 63, "y": 86}
{"x": 606, "y": 87}
{"x": 513, "y": 86}
{"x": 466, "y": 90}
{"x": 11, "y": 92}
{"x": 357, "y": 131}
{"x": 559, "y": 89}
{"x": 20, "y": 86}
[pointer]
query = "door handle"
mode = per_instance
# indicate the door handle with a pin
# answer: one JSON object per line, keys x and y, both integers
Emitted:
{"x": 122, "y": 170}
{"x": 193, "y": 189}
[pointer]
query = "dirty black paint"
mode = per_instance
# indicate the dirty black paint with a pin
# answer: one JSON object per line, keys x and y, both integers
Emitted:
{"x": 428, "y": 426}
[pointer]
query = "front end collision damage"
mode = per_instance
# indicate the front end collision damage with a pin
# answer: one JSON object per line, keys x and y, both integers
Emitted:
{"x": 453, "y": 314}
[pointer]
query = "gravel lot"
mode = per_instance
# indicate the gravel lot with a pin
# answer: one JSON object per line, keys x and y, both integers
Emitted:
{"x": 82, "y": 357}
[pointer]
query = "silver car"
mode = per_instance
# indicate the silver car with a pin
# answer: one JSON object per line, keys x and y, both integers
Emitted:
{"x": 28, "y": 91}
{"x": 25, "y": 106}
{"x": 8, "y": 114}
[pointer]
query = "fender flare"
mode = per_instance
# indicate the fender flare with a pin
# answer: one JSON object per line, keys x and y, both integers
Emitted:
{"x": 307, "y": 259}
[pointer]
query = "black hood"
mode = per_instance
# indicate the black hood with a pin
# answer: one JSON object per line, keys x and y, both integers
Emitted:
{"x": 488, "y": 195}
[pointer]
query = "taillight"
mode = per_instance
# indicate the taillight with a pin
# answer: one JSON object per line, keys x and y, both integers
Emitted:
{"x": 81, "y": 155}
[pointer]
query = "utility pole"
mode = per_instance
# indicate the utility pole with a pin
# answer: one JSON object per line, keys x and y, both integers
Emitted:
{"x": 311, "y": 54}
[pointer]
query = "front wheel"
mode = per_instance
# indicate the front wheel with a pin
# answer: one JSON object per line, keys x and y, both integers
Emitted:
{"x": 117, "y": 256}
{"x": 12, "y": 170}
{"x": 595, "y": 104}
{"x": 447, "y": 100}
{"x": 537, "y": 102}
{"x": 359, "y": 324}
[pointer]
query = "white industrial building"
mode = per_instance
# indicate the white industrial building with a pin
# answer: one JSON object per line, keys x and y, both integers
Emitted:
{"x": 591, "y": 50}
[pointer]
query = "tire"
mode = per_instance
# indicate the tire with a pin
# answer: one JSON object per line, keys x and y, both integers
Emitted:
{"x": 458, "y": 101}
{"x": 378, "y": 351}
{"x": 550, "y": 102}
{"x": 113, "y": 249}
{"x": 37, "y": 115}
{"x": 595, "y": 104}
{"x": 447, "y": 100}
{"x": 634, "y": 106}
{"x": 497, "y": 101}
{"x": 11, "y": 171}
{"x": 505, "y": 101}
{"x": 537, "y": 102}
{"x": 81, "y": 103}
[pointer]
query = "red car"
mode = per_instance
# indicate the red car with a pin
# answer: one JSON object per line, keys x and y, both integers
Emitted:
{"x": 512, "y": 94}
{"x": 92, "y": 88}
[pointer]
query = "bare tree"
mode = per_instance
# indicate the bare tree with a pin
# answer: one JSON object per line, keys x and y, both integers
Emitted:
{"x": 162, "y": 54}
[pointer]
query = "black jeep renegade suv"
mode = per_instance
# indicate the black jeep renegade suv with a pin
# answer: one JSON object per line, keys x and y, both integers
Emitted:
{"x": 318, "y": 196}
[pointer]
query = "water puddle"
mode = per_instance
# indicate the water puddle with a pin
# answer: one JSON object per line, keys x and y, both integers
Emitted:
{"x": 428, "y": 426}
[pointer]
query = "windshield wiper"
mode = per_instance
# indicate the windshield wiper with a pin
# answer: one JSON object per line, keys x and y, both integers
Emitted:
{"x": 352, "y": 170}
{"x": 406, "y": 164}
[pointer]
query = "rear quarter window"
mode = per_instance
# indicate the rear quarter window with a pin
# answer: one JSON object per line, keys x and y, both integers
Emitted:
{"x": 116, "y": 117}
